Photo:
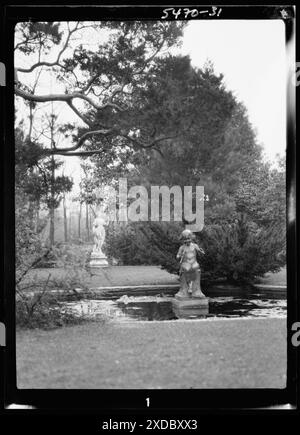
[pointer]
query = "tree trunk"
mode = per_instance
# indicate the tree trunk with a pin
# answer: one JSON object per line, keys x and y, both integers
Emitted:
{"x": 37, "y": 217}
{"x": 70, "y": 225}
{"x": 52, "y": 210}
{"x": 52, "y": 196}
{"x": 79, "y": 221}
{"x": 90, "y": 223}
{"x": 51, "y": 231}
{"x": 87, "y": 224}
{"x": 65, "y": 220}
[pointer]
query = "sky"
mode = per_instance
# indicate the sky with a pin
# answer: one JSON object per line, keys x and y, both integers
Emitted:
{"x": 250, "y": 54}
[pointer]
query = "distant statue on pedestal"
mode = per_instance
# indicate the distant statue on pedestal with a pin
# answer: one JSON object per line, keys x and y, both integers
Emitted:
{"x": 99, "y": 230}
{"x": 98, "y": 258}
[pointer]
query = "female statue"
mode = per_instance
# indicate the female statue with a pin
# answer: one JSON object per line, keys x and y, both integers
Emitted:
{"x": 99, "y": 230}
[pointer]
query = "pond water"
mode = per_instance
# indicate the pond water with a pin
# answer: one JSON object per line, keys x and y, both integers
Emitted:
{"x": 151, "y": 308}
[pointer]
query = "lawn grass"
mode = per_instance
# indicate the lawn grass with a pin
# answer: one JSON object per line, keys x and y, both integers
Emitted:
{"x": 240, "y": 353}
{"x": 113, "y": 276}
{"x": 278, "y": 278}
{"x": 137, "y": 275}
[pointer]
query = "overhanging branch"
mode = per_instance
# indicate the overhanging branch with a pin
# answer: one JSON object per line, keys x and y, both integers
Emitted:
{"x": 65, "y": 98}
{"x": 73, "y": 150}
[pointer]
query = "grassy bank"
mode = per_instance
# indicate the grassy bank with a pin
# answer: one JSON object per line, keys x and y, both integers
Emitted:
{"x": 242, "y": 353}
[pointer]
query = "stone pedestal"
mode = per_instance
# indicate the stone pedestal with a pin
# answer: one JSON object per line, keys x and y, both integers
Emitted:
{"x": 98, "y": 260}
{"x": 186, "y": 307}
{"x": 190, "y": 301}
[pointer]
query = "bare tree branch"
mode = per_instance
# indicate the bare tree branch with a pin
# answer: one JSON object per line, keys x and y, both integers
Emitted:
{"x": 80, "y": 115}
{"x": 84, "y": 153}
{"x": 64, "y": 97}
{"x": 148, "y": 60}
{"x": 89, "y": 83}
{"x": 74, "y": 150}
{"x": 83, "y": 138}
{"x": 159, "y": 151}
{"x": 31, "y": 266}
{"x": 106, "y": 100}
{"x": 39, "y": 64}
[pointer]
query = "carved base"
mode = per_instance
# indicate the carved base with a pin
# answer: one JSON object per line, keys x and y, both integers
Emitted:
{"x": 190, "y": 286}
{"x": 98, "y": 260}
{"x": 184, "y": 294}
{"x": 185, "y": 307}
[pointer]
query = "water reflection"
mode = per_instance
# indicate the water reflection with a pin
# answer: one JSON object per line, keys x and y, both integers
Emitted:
{"x": 160, "y": 308}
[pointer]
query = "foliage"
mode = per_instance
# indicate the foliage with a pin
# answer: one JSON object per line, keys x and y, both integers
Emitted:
{"x": 240, "y": 252}
{"x": 152, "y": 117}
{"x": 142, "y": 243}
{"x": 111, "y": 79}
{"x": 28, "y": 245}
{"x": 244, "y": 233}
{"x": 41, "y": 309}
{"x": 34, "y": 173}
{"x": 47, "y": 313}
{"x": 35, "y": 186}
{"x": 36, "y": 35}
{"x": 72, "y": 257}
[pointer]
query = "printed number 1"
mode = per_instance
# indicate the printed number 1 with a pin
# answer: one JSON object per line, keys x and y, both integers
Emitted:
{"x": 148, "y": 401}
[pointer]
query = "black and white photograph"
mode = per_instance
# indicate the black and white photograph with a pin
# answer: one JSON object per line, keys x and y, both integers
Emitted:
{"x": 150, "y": 201}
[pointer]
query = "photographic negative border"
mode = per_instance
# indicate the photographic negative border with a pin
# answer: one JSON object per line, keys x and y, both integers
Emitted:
{"x": 109, "y": 401}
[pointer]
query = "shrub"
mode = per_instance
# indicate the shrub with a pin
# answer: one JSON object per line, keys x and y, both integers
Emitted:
{"x": 239, "y": 251}
{"x": 35, "y": 305}
{"x": 143, "y": 243}
{"x": 44, "y": 313}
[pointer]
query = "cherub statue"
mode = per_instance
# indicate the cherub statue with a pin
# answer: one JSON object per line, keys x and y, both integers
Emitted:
{"x": 189, "y": 267}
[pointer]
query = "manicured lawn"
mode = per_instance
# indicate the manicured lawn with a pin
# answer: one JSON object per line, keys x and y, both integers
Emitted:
{"x": 237, "y": 353}
{"x": 240, "y": 353}
{"x": 137, "y": 275}
{"x": 114, "y": 276}
{"x": 278, "y": 278}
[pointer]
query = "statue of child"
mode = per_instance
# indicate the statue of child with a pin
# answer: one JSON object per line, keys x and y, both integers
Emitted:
{"x": 187, "y": 253}
{"x": 189, "y": 266}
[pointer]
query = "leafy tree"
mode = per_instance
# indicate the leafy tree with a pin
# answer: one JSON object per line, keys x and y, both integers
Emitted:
{"x": 35, "y": 183}
{"x": 244, "y": 233}
{"x": 151, "y": 116}
{"x": 109, "y": 80}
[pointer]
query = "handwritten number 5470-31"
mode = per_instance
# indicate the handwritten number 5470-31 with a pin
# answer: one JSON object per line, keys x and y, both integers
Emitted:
{"x": 185, "y": 13}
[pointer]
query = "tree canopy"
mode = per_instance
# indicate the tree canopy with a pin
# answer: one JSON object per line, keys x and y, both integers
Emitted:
{"x": 146, "y": 113}
{"x": 109, "y": 81}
